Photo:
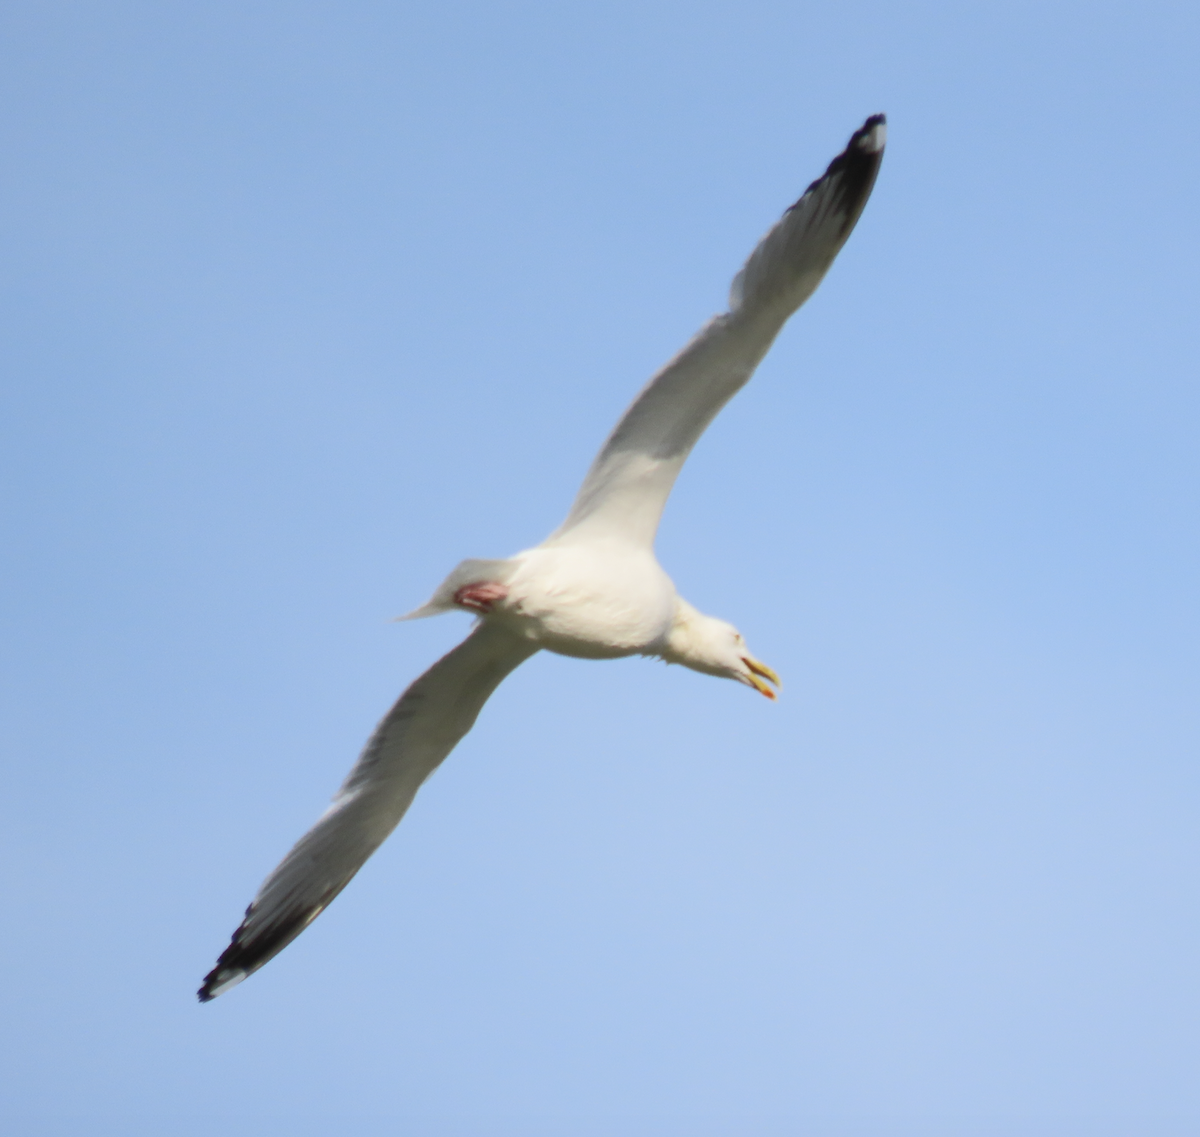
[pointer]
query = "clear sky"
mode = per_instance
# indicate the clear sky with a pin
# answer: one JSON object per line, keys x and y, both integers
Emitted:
{"x": 304, "y": 302}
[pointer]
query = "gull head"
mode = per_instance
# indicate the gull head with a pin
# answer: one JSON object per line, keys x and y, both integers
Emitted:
{"x": 715, "y": 647}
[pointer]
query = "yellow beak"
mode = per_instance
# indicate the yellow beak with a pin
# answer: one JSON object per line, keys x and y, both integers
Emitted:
{"x": 759, "y": 672}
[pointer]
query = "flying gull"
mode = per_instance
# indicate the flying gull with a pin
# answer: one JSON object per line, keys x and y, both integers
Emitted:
{"x": 592, "y": 589}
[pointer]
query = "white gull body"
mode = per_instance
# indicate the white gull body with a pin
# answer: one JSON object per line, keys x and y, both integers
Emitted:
{"x": 593, "y": 589}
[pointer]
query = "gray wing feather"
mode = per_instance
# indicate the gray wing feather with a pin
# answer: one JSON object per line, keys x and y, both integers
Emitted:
{"x": 415, "y": 736}
{"x": 627, "y": 486}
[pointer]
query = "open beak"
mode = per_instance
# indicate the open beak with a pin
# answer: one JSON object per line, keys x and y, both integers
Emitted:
{"x": 759, "y": 673}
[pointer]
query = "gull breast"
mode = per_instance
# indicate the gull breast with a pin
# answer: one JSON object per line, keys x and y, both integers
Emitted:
{"x": 596, "y": 601}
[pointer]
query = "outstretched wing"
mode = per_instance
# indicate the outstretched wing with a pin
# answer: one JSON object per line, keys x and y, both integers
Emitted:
{"x": 625, "y": 490}
{"x": 416, "y": 735}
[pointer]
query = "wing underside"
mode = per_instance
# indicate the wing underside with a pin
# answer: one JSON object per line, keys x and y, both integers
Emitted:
{"x": 627, "y": 486}
{"x": 414, "y": 737}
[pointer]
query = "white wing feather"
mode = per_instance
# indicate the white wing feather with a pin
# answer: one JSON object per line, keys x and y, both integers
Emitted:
{"x": 628, "y": 484}
{"x": 408, "y": 745}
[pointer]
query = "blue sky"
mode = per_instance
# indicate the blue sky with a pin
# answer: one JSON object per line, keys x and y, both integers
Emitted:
{"x": 302, "y": 303}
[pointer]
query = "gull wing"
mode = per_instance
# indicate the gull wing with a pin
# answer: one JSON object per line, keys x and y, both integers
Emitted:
{"x": 627, "y": 486}
{"x": 426, "y": 723}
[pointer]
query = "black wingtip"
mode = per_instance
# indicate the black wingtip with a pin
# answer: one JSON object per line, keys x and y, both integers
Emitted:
{"x": 855, "y": 169}
{"x": 871, "y": 136}
{"x": 218, "y": 981}
{"x": 226, "y": 974}
{"x": 863, "y": 152}
{"x": 245, "y": 956}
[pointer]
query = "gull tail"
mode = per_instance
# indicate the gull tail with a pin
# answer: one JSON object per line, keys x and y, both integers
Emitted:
{"x": 470, "y": 571}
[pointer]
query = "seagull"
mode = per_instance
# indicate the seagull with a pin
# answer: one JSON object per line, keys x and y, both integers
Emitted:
{"x": 593, "y": 589}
